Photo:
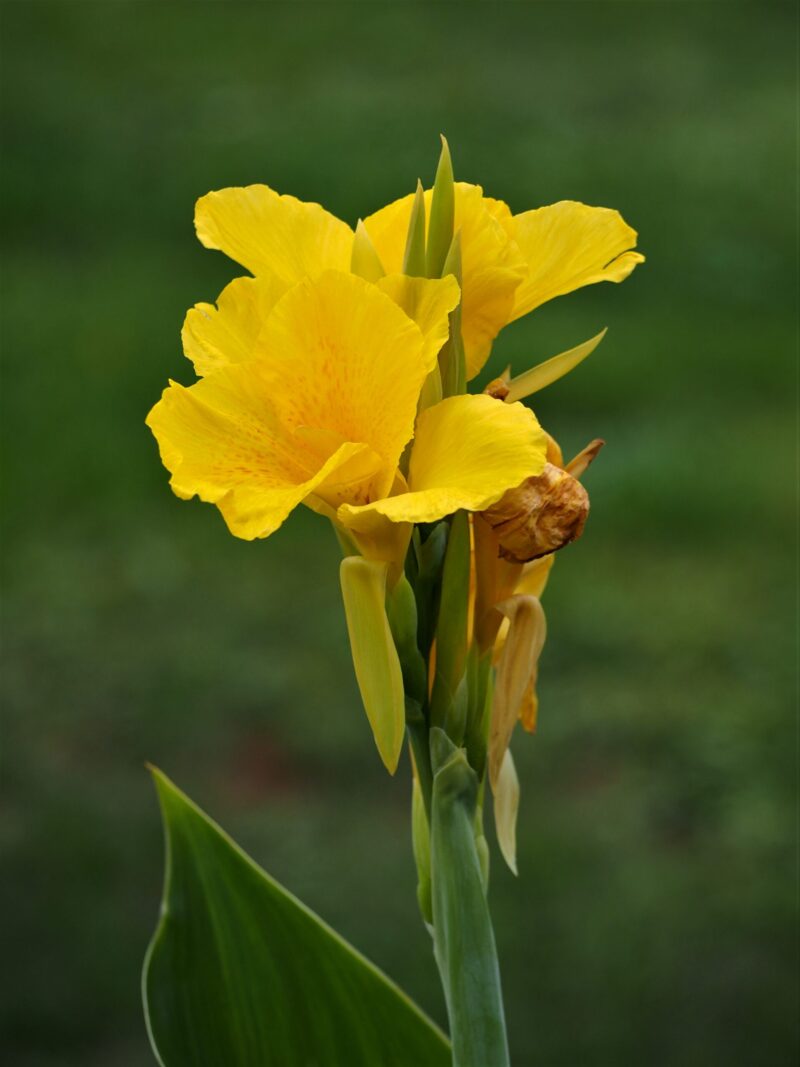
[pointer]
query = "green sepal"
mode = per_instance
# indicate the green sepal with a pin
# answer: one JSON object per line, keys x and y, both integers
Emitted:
{"x": 364, "y": 258}
{"x": 448, "y": 704}
{"x": 431, "y": 392}
{"x": 440, "y": 226}
{"x": 463, "y": 939}
{"x": 452, "y": 357}
{"x": 430, "y": 559}
{"x": 239, "y": 972}
{"x": 414, "y": 256}
{"x": 401, "y": 610}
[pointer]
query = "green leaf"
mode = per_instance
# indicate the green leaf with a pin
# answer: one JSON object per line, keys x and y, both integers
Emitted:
{"x": 377, "y": 666}
{"x": 241, "y": 974}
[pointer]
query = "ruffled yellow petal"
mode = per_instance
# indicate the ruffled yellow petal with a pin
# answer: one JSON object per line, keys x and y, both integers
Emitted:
{"x": 492, "y": 266}
{"x": 467, "y": 451}
{"x": 428, "y": 302}
{"x": 568, "y": 245}
{"x": 344, "y": 363}
{"x": 213, "y": 336}
{"x": 221, "y": 441}
{"x": 272, "y": 234}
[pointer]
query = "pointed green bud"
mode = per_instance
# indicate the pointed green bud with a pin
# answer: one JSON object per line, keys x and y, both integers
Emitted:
{"x": 452, "y": 358}
{"x": 377, "y": 665}
{"x": 449, "y": 697}
{"x": 440, "y": 227}
{"x": 364, "y": 259}
{"x": 414, "y": 257}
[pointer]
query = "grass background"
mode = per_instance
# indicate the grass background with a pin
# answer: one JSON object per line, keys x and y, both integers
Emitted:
{"x": 654, "y": 919}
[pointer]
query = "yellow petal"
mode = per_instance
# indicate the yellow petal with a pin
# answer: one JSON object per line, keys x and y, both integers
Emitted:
{"x": 522, "y": 648}
{"x": 428, "y": 302}
{"x": 529, "y": 712}
{"x": 506, "y": 806}
{"x": 272, "y": 234}
{"x": 341, "y": 357}
{"x": 492, "y": 266}
{"x": 377, "y": 665}
{"x": 216, "y": 336}
{"x": 534, "y": 576}
{"x": 221, "y": 441}
{"x": 467, "y": 451}
{"x": 568, "y": 245}
{"x": 544, "y": 374}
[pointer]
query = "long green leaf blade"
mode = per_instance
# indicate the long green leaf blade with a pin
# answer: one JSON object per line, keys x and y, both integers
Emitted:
{"x": 239, "y": 973}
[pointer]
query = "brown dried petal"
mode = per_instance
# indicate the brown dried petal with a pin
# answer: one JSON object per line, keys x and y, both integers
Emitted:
{"x": 540, "y": 516}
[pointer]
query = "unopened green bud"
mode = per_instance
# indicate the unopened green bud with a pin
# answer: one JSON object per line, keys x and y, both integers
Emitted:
{"x": 440, "y": 227}
{"x": 414, "y": 257}
{"x": 377, "y": 665}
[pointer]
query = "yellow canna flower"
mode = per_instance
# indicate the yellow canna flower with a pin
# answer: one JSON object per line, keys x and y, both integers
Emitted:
{"x": 312, "y": 398}
{"x": 511, "y": 264}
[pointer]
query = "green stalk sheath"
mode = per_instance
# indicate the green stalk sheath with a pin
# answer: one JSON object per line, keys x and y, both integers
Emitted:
{"x": 463, "y": 937}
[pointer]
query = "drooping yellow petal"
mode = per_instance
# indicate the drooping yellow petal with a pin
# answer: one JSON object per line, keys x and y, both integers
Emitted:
{"x": 377, "y": 665}
{"x": 550, "y": 370}
{"x": 492, "y": 266}
{"x": 533, "y": 578}
{"x": 526, "y": 634}
{"x": 221, "y": 440}
{"x": 272, "y": 234}
{"x": 341, "y": 357}
{"x": 216, "y": 336}
{"x": 568, "y": 245}
{"x": 467, "y": 451}
{"x": 428, "y": 302}
{"x": 529, "y": 712}
{"x": 506, "y": 806}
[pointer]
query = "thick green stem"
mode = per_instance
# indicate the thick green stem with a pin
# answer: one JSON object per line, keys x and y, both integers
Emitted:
{"x": 463, "y": 937}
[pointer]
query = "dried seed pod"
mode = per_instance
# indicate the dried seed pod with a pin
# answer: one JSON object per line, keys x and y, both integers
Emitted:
{"x": 540, "y": 516}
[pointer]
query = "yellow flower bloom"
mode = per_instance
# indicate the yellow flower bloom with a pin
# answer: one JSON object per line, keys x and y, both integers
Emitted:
{"x": 312, "y": 398}
{"x": 511, "y": 263}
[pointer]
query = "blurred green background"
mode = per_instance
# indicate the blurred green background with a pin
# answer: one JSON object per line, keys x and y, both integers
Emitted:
{"x": 654, "y": 918}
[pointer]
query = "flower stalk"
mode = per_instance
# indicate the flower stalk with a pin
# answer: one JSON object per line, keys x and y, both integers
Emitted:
{"x": 464, "y": 943}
